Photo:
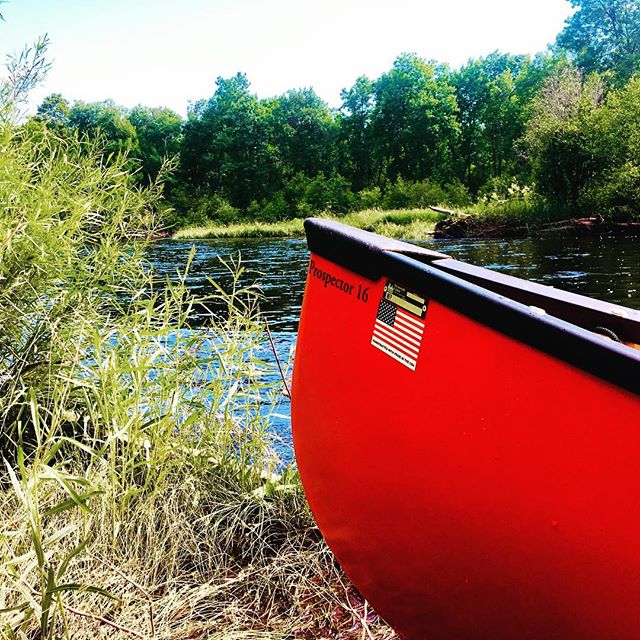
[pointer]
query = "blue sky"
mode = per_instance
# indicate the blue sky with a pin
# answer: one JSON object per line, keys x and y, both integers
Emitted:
{"x": 168, "y": 52}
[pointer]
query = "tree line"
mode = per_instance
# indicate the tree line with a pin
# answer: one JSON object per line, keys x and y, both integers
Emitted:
{"x": 560, "y": 127}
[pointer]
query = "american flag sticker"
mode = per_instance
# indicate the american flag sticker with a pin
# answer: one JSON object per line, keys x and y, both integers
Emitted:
{"x": 399, "y": 324}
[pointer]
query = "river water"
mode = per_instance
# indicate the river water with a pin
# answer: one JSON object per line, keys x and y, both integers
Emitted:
{"x": 605, "y": 268}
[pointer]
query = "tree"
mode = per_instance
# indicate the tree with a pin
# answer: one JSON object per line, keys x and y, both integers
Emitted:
{"x": 604, "y": 35}
{"x": 614, "y": 138}
{"x": 108, "y": 121}
{"x": 355, "y": 136}
{"x": 494, "y": 96}
{"x": 159, "y": 132}
{"x": 414, "y": 120}
{"x": 564, "y": 153}
{"x": 303, "y": 130}
{"x": 55, "y": 111}
{"x": 225, "y": 147}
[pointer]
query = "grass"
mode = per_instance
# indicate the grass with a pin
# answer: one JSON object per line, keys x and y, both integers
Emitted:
{"x": 146, "y": 498}
{"x": 403, "y": 223}
{"x": 141, "y": 494}
{"x": 527, "y": 211}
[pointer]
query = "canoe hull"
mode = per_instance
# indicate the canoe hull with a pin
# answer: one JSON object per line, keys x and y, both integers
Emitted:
{"x": 488, "y": 492}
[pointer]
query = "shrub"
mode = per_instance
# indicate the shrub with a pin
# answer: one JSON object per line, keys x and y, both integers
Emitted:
{"x": 617, "y": 194}
{"x": 369, "y": 198}
{"x": 200, "y": 208}
{"x": 404, "y": 194}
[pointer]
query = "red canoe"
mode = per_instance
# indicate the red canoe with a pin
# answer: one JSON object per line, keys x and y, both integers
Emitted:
{"x": 469, "y": 443}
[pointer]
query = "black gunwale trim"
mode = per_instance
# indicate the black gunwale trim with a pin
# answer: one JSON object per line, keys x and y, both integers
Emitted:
{"x": 371, "y": 256}
{"x": 354, "y": 248}
{"x": 573, "y": 308}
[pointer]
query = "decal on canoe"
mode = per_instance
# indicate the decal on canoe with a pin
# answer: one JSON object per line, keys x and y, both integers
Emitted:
{"x": 329, "y": 280}
{"x": 399, "y": 324}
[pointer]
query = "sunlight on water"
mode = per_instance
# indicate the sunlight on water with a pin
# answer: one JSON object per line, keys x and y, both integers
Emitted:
{"x": 603, "y": 268}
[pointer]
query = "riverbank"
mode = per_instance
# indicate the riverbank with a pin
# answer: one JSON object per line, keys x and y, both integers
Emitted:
{"x": 495, "y": 227}
{"x": 416, "y": 224}
{"x": 400, "y": 223}
{"x": 145, "y": 496}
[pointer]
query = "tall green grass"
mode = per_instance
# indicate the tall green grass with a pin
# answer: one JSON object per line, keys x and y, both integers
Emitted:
{"x": 401, "y": 223}
{"x": 141, "y": 494}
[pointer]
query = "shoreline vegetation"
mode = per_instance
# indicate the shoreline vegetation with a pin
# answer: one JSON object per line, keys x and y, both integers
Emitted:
{"x": 438, "y": 222}
{"x": 415, "y": 223}
{"x": 141, "y": 490}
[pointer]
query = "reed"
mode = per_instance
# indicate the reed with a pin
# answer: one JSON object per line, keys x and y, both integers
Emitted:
{"x": 141, "y": 494}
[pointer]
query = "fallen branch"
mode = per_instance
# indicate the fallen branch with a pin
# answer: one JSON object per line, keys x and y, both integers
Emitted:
{"x": 448, "y": 212}
{"x": 110, "y": 623}
{"x": 140, "y": 588}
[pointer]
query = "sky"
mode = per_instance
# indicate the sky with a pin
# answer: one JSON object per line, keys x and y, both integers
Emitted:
{"x": 169, "y": 52}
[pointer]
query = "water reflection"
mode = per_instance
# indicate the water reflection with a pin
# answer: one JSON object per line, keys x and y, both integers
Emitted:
{"x": 603, "y": 268}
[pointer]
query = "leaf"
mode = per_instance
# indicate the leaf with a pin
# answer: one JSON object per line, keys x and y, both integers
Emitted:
{"x": 46, "y": 603}
{"x": 15, "y": 483}
{"x": 71, "y": 555}
{"x": 65, "y": 481}
{"x": 19, "y": 607}
{"x": 37, "y": 545}
{"x": 51, "y": 453}
{"x": 70, "y": 503}
{"x": 61, "y": 533}
{"x": 73, "y": 586}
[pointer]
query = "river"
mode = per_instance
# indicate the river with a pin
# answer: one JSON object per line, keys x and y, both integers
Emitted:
{"x": 605, "y": 268}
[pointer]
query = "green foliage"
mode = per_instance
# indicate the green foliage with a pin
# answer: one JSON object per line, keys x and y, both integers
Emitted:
{"x": 200, "y": 209}
{"x": 225, "y": 146}
{"x": 55, "y": 111}
{"x": 303, "y": 196}
{"x": 24, "y": 71}
{"x": 558, "y": 139}
{"x": 43, "y": 489}
{"x": 604, "y": 36}
{"x": 302, "y": 130}
{"x": 414, "y": 120}
{"x": 418, "y": 135}
{"x": 65, "y": 222}
{"x": 494, "y": 96}
{"x": 138, "y": 450}
{"x": 615, "y": 138}
{"x": 403, "y": 194}
{"x": 584, "y": 144}
{"x": 355, "y": 137}
{"x": 369, "y": 198}
{"x": 151, "y": 137}
{"x": 107, "y": 121}
{"x": 138, "y": 447}
{"x": 400, "y": 223}
{"x": 332, "y": 195}
{"x": 159, "y": 133}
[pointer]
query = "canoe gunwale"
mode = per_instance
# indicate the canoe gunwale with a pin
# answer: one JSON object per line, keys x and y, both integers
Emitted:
{"x": 373, "y": 257}
{"x": 574, "y": 308}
